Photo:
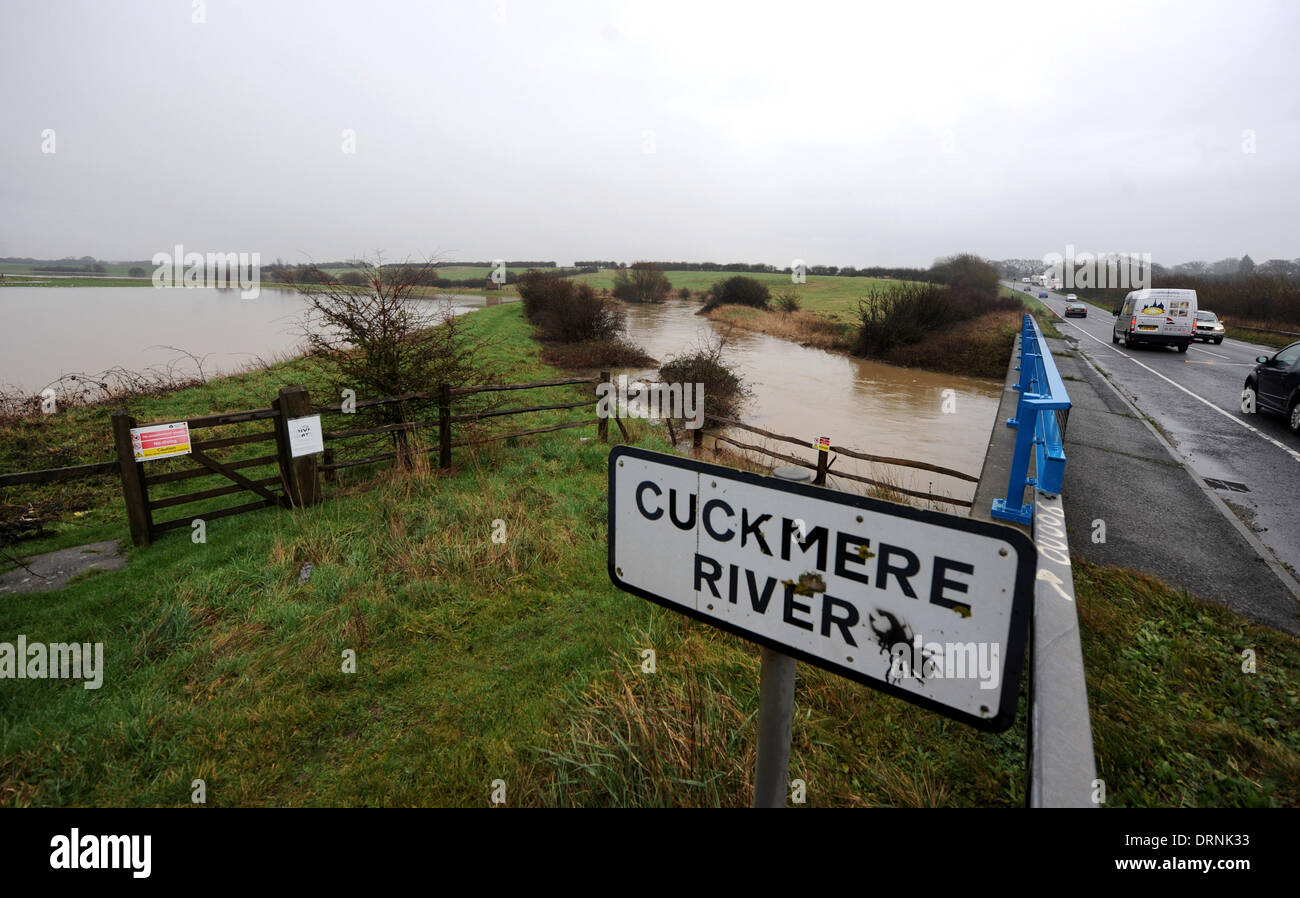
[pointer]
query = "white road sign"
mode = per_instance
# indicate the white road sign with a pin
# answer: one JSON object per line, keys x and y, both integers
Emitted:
{"x": 305, "y": 437}
{"x": 930, "y": 607}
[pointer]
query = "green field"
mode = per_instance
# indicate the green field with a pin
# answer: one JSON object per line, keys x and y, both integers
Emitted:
{"x": 831, "y": 297}
{"x": 519, "y": 661}
{"x": 111, "y": 269}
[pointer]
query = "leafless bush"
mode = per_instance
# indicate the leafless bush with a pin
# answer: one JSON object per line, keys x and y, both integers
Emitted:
{"x": 112, "y": 385}
{"x": 385, "y": 339}
{"x": 725, "y": 392}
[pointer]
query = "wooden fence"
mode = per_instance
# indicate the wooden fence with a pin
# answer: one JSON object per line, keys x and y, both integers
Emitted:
{"x": 295, "y": 482}
{"x": 824, "y": 461}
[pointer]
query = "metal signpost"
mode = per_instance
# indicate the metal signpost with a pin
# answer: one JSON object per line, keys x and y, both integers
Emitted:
{"x": 928, "y": 607}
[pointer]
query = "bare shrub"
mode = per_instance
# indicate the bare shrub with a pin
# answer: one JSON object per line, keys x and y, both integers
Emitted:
{"x": 385, "y": 339}
{"x": 615, "y": 353}
{"x": 643, "y": 282}
{"x": 738, "y": 290}
{"x": 904, "y": 312}
{"x": 725, "y": 391}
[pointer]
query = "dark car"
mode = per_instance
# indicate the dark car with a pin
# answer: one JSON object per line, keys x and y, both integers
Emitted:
{"x": 1274, "y": 386}
{"x": 1043, "y": 295}
{"x": 1076, "y": 309}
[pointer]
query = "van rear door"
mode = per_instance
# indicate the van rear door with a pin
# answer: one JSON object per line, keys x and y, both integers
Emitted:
{"x": 1165, "y": 313}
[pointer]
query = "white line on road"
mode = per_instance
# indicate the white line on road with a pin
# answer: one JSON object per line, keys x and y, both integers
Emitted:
{"x": 1207, "y": 352}
{"x": 1231, "y": 417}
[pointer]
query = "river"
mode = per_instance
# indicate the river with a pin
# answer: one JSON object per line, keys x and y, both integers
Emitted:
{"x": 46, "y": 332}
{"x": 863, "y": 405}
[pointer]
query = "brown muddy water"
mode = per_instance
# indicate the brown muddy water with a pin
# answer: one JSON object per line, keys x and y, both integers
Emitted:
{"x": 47, "y": 332}
{"x": 863, "y": 405}
{"x": 803, "y": 392}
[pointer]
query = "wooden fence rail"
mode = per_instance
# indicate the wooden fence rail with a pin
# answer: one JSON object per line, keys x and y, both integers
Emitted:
{"x": 51, "y": 475}
{"x": 297, "y": 481}
{"x": 823, "y": 463}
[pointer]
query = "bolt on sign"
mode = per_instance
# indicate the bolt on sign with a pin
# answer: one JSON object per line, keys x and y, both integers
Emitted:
{"x": 931, "y": 608}
{"x": 160, "y": 441}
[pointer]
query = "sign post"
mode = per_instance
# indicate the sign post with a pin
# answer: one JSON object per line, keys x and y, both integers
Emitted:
{"x": 775, "y": 707}
{"x": 928, "y": 607}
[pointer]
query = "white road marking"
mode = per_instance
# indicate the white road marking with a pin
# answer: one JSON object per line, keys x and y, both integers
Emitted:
{"x": 1231, "y": 417}
{"x": 1207, "y": 352}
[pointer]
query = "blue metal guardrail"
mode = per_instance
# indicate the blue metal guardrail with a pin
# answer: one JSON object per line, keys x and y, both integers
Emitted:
{"x": 1042, "y": 395}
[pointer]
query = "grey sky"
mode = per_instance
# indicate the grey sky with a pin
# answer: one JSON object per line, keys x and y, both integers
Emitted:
{"x": 840, "y": 133}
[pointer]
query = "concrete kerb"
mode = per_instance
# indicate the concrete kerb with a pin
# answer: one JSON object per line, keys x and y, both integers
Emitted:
{"x": 1062, "y": 767}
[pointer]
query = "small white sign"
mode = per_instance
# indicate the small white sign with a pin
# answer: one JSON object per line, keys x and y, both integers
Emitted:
{"x": 305, "y": 436}
{"x": 929, "y": 607}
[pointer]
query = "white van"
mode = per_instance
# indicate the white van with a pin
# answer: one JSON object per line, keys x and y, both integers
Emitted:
{"x": 1162, "y": 317}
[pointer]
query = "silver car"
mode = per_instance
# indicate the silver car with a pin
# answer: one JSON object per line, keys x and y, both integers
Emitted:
{"x": 1208, "y": 327}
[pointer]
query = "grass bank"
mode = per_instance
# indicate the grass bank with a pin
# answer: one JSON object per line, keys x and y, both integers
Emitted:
{"x": 478, "y": 660}
{"x": 978, "y": 347}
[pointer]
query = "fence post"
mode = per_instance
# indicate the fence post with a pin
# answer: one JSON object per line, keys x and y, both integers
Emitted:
{"x": 444, "y": 426}
{"x": 133, "y": 486}
{"x": 822, "y": 462}
{"x": 602, "y": 423}
{"x": 300, "y": 473}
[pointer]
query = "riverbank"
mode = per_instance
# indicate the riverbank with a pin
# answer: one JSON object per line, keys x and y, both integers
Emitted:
{"x": 478, "y": 660}
{"x": 979, "y": 347}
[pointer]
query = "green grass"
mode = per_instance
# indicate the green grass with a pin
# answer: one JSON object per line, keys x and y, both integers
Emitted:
{"x": 88, "y": 281}
{"x": 519, "y": 661}
{"x": 1045, "y": 317}
{"x": 111, "y": 269}
{"x": 834, "y": 298}
{"x": 1176, "y": 721}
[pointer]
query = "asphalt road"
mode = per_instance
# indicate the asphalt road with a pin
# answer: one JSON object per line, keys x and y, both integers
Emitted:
{"x": 1194, "y": 399}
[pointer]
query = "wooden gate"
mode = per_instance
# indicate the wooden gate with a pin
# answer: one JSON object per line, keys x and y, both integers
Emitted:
{"x": 293, "y": 484}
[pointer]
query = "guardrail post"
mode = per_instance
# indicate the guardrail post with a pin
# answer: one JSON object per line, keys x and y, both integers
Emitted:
{"x": 1042, "y": 394}
{"x": 133, "y": 485}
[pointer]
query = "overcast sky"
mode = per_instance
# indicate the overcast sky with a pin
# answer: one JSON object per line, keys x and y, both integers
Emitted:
{"x": 839, "y": 133}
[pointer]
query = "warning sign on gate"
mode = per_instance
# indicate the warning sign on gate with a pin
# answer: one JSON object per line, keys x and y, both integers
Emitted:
{"x": 305, "y": 436}
{"x": 932, "y": 608}
{"x": 160, "y": 441}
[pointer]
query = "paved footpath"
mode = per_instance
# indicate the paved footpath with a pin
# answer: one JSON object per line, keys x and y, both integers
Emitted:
{"x": 1159, "y": 517}
{"x": 53, "y": 570}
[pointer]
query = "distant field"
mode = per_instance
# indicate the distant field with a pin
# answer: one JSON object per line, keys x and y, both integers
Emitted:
{"x": 835, "y": 298}
{"x": 113, "y": 269}
{"x": 461, "y": 272}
